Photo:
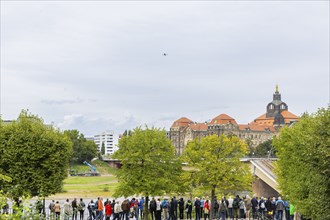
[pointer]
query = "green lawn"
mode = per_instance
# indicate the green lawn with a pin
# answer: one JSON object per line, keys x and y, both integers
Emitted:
{"x": 89, "y": 180}
{"x": 89, "y": 187}
{"x": 92, "y": 186}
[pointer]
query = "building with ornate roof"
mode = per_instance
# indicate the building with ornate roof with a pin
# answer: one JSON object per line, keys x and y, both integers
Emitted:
{"x": 259, "y": 130}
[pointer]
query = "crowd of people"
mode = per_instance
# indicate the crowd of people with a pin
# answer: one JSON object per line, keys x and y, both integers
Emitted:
{"x": 237, "y": 208}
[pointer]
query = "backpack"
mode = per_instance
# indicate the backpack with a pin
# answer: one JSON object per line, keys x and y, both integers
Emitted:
{"x": 152, "y": 204}
{"x": 286, "y": 205}
{"x": 223, "y": 206}
{"x": 164, "y": 204}
{"x": 197, "y": 204}
{"x": 52, "y": 206}
{"x": 262, "y": 205}
{"x": 235, "y": 204}
{"x": 216, "y": 205}
{"x": 90, "y": 206}
{"x": 279, "y": 206}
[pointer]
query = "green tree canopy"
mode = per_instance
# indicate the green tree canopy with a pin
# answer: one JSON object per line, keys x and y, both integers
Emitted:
{"x": 263, "y": 149}
{"x": 217, "y": 163}
{"x": 149, "y": 165}
{"x": 127, "y": 133}
{"x": 34, "y": 156}
{"x": 103, "y": 149}
{"x": 304, "y": 164}
{"x": 82, "y": 149}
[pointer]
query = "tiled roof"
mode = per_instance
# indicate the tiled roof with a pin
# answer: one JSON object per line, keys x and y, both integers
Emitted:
{"x": 198, "y": 126}
{"x": 262, "y": 117}
{"x": 223, "y": 119}
{"x": 182, "y": 122}
{"x": 287, "y": 115}
{"x": 256, "y": 127}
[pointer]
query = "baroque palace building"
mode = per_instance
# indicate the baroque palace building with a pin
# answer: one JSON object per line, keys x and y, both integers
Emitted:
{"x": 259, "y": 130}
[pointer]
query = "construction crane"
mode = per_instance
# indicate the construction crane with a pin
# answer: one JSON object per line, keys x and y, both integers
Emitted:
{"x": 93, "y": 169}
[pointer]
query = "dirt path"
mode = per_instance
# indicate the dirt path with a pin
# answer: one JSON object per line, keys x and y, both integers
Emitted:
{"x": 94, "y": 184}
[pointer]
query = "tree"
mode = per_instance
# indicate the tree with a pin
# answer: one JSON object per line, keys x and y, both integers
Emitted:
{"x": 250, "y": 146}
{"x": 82, "y": 149}
{"x": 303, "y": 166}
{"x": 264, "y": 149}
{"x": 103, "y": 149}
{"x": 217, "y": 163}
{"x": 34, "y": 155}
{"x": 149, "y": 165}
{"x": 127, "y": 133}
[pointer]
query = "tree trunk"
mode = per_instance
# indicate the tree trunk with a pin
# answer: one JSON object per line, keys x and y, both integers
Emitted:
{"x": 212, "y": 203}
{"x": 43, "y": 207}
{"x": 146, "y": 208}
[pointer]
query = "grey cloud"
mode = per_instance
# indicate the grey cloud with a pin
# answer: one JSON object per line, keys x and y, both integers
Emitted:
{"x": 223, "y": 57}
{"x": 90, "y": 126}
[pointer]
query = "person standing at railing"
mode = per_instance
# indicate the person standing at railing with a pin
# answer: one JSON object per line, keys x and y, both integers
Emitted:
{"x": 223, "y": 210}
{"x": 67, "y": 210}
{"x": 158, "y": 210}
{"x": 91, "y": 209}
{"x": 116, "y": 211}
{"x": 74, "y": 209}
{"x": 189, "y": 209}
{"x": 197, "y": 205}
{"x": 108, "y": 210}
{"x": 181, "y": 208}
{"x": 81, "y": 209}
{"x": 100, "y": 208}
{"x": 57, "y": 210}
{"x": 51, "y": 209}
{"x": 230, "y": 207}
{"x": 280, "y": 208}
{"x": 206, "y": 209}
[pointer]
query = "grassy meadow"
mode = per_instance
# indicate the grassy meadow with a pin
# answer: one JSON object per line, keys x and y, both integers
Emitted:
{"x": 97, "y": 186}
{"x": 90, "y": 186}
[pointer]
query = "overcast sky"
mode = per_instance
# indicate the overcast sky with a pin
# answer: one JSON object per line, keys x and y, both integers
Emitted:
{"x": 96, "y": 66}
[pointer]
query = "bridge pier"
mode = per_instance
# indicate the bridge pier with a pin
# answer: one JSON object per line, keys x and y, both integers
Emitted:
{"x": 260, "y": 188}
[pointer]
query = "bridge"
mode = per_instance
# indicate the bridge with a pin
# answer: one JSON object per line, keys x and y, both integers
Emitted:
{"x": 264, "y": 183}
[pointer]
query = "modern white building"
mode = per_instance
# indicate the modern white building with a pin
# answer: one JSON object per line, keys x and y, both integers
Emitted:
{"x": 110, "y": 140}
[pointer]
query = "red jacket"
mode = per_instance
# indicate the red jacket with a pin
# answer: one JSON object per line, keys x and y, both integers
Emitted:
{"x": 108, "y": 209}
{"x": 206, "y": 206}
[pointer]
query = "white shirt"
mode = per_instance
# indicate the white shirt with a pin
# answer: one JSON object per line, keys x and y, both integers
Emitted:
{"x": 230, "y": 203}
{"x": 158, "y": 206}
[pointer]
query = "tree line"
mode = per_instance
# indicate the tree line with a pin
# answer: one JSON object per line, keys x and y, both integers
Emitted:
{"x": 35, "y": 158}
